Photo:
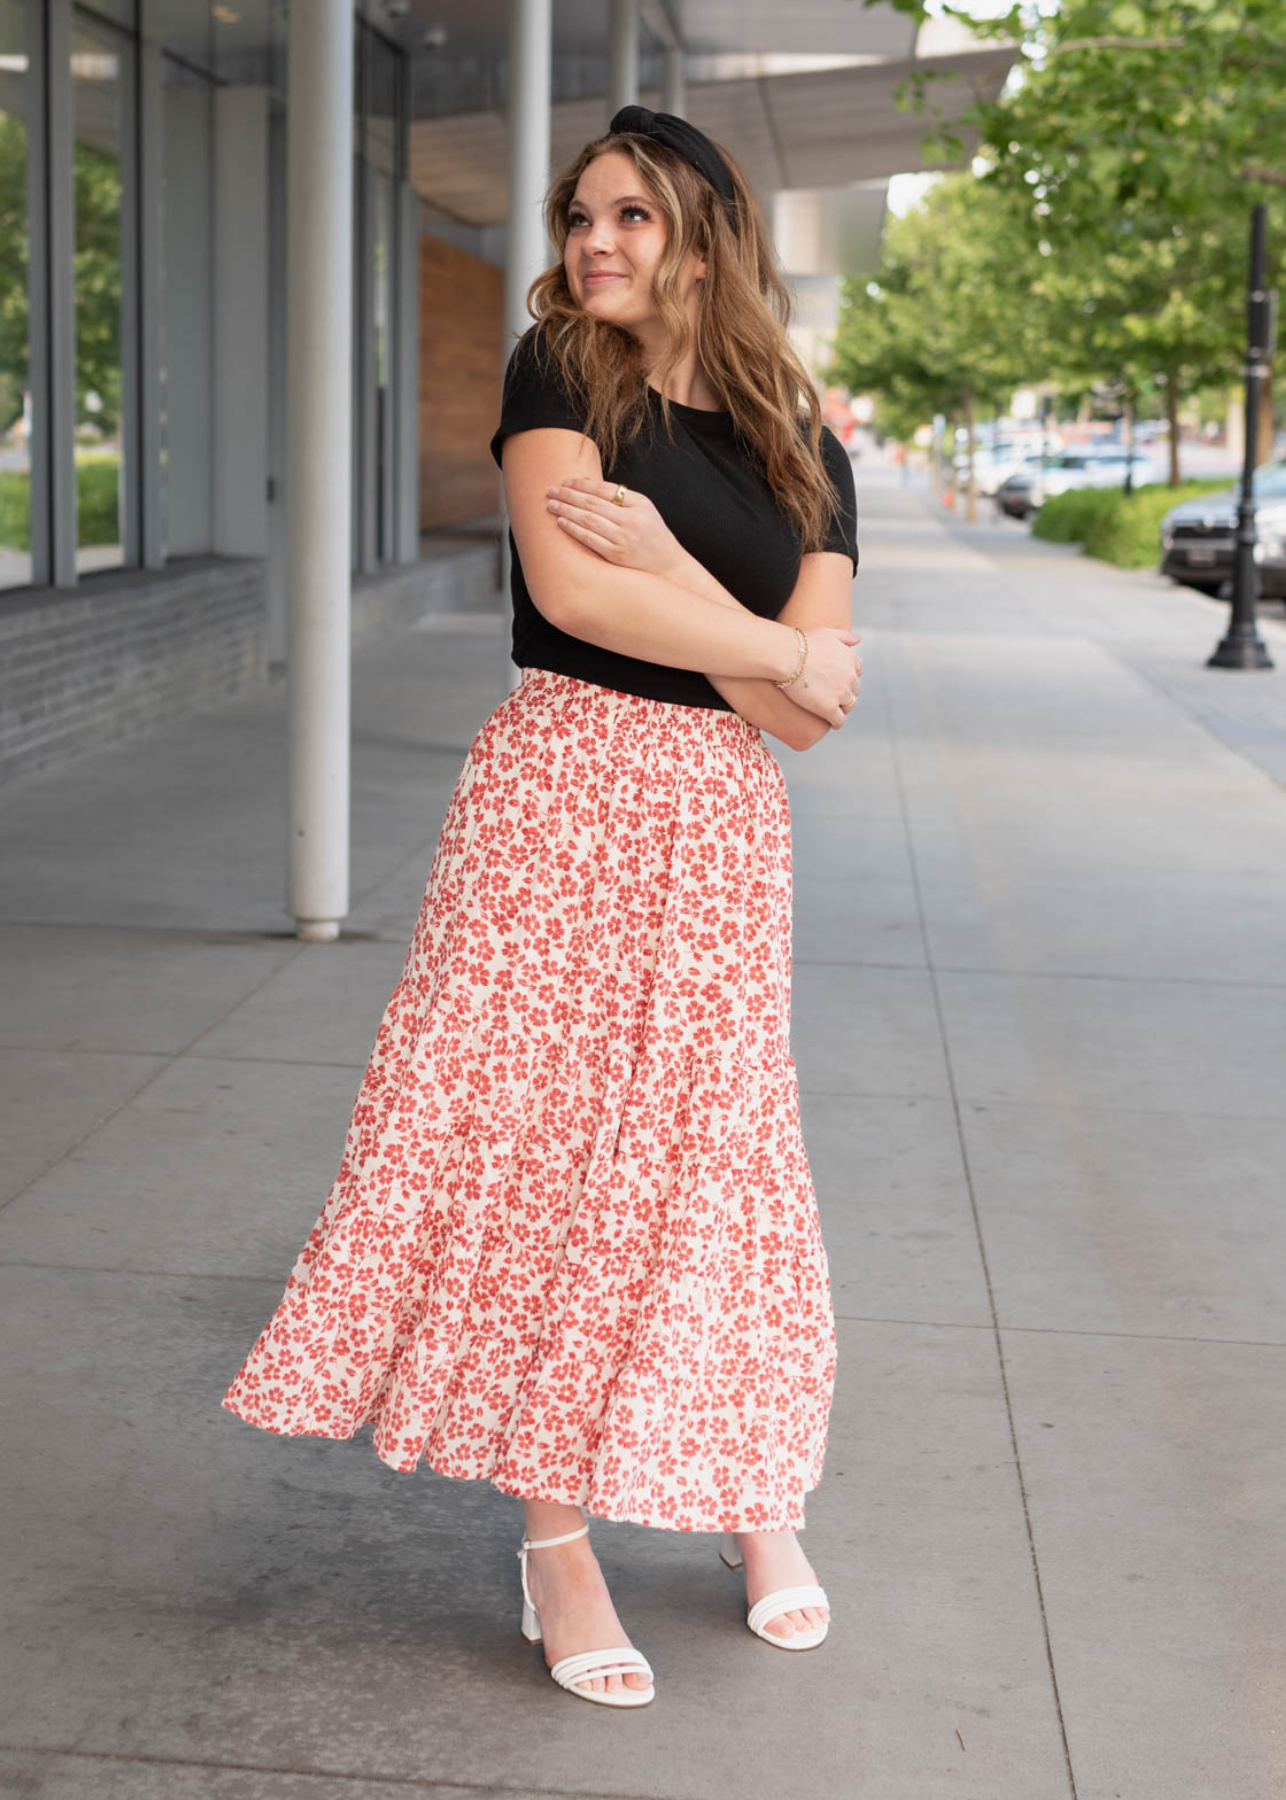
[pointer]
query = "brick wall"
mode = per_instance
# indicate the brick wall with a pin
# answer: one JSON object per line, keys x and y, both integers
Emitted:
{"x": 130, "y": 652}
{"x": 461, "y": 370}
{"x": 123, "y": 654}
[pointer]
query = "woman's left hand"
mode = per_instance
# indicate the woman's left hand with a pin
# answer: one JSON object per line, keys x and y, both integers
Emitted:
{"x": 633, "y": 534}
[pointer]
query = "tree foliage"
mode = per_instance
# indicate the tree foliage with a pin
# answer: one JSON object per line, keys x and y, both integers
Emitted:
{"x": 945, "y": 323}
{"x": 13, "y": 261}
{"x": 97, "y": 275}
{"x": 1173, "y": 104}
{"x": 1129, "y": 150}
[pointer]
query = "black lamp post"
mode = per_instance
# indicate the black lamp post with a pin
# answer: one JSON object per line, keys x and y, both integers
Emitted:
{"x": 1242, "y": 647}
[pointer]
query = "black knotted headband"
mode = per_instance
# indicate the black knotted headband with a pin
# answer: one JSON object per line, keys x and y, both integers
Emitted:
{"x": 692, "y": 145}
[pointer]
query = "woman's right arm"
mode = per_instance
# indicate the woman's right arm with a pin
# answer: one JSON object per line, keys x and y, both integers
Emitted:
{"x": 822, "y": 595}
{"x": 629, "y": 611}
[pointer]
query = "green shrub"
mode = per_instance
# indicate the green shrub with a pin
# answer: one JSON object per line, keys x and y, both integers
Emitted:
{"x": 1119, "y": 528}
{"x": 97, "y": 512}
{"x": 97, "y": 517}
{"x": 15, "y": 510}
{"x": 1070, "y": 518}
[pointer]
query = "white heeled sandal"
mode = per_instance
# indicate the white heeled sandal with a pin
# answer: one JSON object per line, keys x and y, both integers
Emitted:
{"x": 585, "y": 1665}
{"x": 781, "y": 1600}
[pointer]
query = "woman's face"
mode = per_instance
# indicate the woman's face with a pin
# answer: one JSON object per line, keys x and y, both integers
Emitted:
{"x": 616, "y": 235}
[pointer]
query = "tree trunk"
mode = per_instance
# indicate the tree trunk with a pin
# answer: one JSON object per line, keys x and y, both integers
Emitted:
{"x": 936, "y": 459}
{"x": 1127, "y": 408}
{"x": 971, "y": 489}
{"x": 1172, "y": 421}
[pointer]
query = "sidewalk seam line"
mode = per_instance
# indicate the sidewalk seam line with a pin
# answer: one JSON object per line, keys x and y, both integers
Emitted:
{"x": 1149, "y": 679}
{"x": 994, "y": 1102}
{"x": 967, "y": 1171}
{"x": 100, "y": 1123}
{"x": 926, "y": 968}
{"x": 1143, "y": 1337}
{"x": 305, "y": 1774}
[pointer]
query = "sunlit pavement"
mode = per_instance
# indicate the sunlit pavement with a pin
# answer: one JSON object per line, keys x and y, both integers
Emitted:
{"x": 1039, "y": 1016}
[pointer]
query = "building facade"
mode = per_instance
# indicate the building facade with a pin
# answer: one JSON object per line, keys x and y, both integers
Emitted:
{"x": 144, "y": 345}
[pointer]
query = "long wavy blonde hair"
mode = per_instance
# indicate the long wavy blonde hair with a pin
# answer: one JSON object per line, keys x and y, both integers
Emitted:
{"x": 740, "y": 332}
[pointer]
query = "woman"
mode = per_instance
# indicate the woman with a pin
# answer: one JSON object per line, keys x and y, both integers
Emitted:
{"x": 573, "y": 1246}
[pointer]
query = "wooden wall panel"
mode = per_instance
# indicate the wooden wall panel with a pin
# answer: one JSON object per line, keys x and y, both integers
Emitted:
{"x": 461, "y": 370}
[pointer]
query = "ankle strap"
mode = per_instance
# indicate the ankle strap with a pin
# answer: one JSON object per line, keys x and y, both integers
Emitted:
{"x": 542, "y": 1543}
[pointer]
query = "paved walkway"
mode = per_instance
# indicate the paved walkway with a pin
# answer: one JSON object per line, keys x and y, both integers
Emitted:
{"x": 1040, "y": 1022}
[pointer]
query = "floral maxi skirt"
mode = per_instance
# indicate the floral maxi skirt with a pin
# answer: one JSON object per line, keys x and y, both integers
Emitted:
{"x": 573, "y": 1246}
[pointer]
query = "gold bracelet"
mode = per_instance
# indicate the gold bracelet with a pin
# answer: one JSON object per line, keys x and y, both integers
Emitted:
{"x": 803, "y": 658}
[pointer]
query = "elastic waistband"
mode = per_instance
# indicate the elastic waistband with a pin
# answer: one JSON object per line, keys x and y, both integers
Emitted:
{"x": 665, "y": 714}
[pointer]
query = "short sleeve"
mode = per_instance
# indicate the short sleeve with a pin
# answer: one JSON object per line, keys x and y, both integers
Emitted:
{"x": 841, "y": 534}
{"x": 534, "y": 394}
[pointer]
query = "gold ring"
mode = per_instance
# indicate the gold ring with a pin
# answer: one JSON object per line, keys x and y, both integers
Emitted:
{"x": 618, "y": 498}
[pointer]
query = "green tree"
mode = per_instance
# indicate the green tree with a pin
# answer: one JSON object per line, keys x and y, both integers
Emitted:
{"x": 946, "y": 324}
{"x": 98, "y": 285}
{"x": 1140, "y": 133}
{"x": 1173, "y": 102}
{"x": 97, "y": 272}
{"x": 13, "y": 261}
{"x": 1145, "y": 309}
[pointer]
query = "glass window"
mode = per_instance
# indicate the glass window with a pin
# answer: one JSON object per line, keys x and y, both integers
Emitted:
{"x": 98, "y": 106}
{"x": 243, "y": 43}
{"x": 382, "y": 362}
{"x": 187, "y": 324}
{"x": 379, "y": 136}
{"x": 183, "y": 27}
{"x": 381, "y": 160}
{"x": 15, "y": 392}
{"x": 120, "y": 12}
{"x": 383, "y": 70}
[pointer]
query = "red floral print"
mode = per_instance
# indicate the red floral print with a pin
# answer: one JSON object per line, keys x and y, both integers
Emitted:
{"x": 573, "y": 1246}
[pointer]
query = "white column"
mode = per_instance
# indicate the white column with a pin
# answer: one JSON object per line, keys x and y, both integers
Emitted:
{"x": 674, "y": 92}
{"x": 527, "y": 249}
{"x": 622, "y": 55}
{"x": 319, "y": 299}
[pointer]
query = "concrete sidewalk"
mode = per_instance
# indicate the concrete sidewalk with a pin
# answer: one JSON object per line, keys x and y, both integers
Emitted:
{"x": 1039, "y": 1016}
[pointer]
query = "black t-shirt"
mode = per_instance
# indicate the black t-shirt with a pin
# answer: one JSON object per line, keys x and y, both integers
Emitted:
{"x": 709, "y": 490}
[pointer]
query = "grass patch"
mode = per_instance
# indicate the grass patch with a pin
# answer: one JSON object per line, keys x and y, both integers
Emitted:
{"x": 1119, "y": 528}
{"x": 97, "y": 520}
{"x": 15, "y": 510}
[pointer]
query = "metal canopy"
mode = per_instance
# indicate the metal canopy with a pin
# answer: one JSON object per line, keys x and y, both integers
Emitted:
{"x": 829, "y": 27}
{"x": 822, "y": 129}
{"x": 703, "y": 27}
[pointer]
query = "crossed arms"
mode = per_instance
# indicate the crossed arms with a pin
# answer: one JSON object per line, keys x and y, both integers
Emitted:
{"x": 680, "y": 623}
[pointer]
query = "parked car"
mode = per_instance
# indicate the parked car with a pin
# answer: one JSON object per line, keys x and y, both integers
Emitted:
{"x": 1198, "y": 537}
{"x": 1014, "y": 495}
{"x": 1035, "y": 483}
{"x": 993, "y": 464}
